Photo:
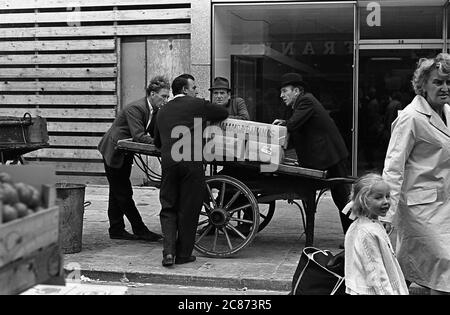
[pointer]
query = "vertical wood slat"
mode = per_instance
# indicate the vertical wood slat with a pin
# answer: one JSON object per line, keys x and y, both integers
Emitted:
{"x": 171, "y": 57}
{"x": 119, "y": 73}
{"x": 133, "y": 65}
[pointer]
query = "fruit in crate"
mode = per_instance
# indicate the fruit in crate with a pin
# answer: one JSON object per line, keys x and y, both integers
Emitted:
{"x": 17, "y": 200}
{"x": 9, "y": 213}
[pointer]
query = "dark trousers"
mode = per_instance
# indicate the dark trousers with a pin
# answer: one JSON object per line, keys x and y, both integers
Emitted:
{"x": 340, "y": 193}
{"x": 181, "y": 195}
{"x": 121, "y": 199}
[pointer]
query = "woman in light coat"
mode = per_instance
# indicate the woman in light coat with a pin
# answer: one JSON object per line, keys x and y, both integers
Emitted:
{"x": 417, "y": 167}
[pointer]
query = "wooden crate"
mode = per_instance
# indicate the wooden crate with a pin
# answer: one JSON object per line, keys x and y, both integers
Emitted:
{"x": 30, "y": 247}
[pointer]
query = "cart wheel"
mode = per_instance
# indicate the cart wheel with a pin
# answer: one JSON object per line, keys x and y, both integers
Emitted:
{"x": 266, "y": 211}
{"x": 222, "y": 229}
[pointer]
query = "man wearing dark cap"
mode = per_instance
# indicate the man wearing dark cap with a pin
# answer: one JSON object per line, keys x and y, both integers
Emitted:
{"x": 221, "y": 95}
{"x": 315, "y": 136}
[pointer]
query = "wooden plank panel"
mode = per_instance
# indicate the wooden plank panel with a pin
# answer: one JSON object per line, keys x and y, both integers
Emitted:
{"x": 27, "y": 4}
{"x": 57, "y": 59}
{"x": 169, "y": 56}
{"x": 119, "y": 30}
{"x": 78, "y": 126}
{"x": 133, "y": 71}
{"x": 65, "y": 153}
{"x": 40, "y": 266}
{"x": 51, "y": 45}
{"x": 73, "y": 166}
{"x": 59, "y": 99}
{"x": 102, "y": 72}
{"x": 58, "y": 86}
{"x": 72, "y": 17}
{"x": 78, "y": 141}
{"x": 98, "y": 113}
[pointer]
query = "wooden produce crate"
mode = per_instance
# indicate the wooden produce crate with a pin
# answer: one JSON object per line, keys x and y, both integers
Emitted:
{"x": 30, "y": 246}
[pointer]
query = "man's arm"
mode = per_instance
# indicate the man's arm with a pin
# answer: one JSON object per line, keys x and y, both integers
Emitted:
{"x": 213, "y": 112}
{"x": 135, "y": 119}
{"x": 303, "y": 110}
{"x": 400, "y": 146}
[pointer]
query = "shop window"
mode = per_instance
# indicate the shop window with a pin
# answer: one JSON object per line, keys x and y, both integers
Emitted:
{"x": 254, "y": 45}
{"x": 389, "y": 19}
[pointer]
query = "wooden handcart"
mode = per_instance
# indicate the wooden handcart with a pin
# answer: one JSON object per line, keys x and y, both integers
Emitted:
{"x": 241, "y": 199}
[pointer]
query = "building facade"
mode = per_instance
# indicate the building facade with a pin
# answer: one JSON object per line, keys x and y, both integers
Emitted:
{"x": 77, "y": 62}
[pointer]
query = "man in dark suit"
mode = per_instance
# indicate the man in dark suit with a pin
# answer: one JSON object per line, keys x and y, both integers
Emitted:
{"x": 221, "y": 95}
{"x": 136, "y": 121}
{"x": 183, "y": 179}
{"x": 315, "y": 136}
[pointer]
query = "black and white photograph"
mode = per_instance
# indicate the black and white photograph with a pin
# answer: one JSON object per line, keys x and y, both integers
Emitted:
{"x": 224, "y": 155}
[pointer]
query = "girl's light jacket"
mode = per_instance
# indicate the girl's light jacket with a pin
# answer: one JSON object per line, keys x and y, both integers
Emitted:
{"x": 370, "y": 264}
{"x": 417, "y": 167}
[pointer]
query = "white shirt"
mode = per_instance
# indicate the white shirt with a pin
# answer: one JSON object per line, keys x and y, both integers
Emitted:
{"x": 151, "y": 113}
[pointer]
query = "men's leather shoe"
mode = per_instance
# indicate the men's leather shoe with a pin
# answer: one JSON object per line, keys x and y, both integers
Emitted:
{"x": 167, "y": 260}
{"x": 184, "y": 260}
{"x": 149, "y": 236}
{"x": 124, "y": 235}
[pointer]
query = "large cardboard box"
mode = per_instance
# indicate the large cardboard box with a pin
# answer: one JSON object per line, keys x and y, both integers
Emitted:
{"x": 30, "y": 246}
{"x": 255, "y": 131}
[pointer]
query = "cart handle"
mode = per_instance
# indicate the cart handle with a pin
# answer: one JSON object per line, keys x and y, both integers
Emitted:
{"x": 341, "y": 180}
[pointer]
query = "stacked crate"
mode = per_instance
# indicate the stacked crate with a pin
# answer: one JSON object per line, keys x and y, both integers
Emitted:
{"x": 29, "y": 240}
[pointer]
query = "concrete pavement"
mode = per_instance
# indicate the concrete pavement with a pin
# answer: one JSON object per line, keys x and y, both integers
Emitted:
{"x": 268, "y": 263}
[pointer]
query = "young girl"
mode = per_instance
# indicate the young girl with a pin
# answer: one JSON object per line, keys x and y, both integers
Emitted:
{"x": 370, "y": 263}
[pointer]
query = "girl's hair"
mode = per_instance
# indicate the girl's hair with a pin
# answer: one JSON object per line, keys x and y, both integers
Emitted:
{"x": 424, "y": 68}
{"x": 360, "y": 190}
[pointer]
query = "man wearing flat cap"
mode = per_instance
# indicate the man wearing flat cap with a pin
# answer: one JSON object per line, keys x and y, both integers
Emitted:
{"x": 221, "y": 95}
{"x": 315, "y": 136}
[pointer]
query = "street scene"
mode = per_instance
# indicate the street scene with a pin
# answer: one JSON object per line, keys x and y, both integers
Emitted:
{"x": 256, "y": 150}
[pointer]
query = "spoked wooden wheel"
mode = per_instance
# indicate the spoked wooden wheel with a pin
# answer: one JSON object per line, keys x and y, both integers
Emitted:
{"x": 223, "y": 227}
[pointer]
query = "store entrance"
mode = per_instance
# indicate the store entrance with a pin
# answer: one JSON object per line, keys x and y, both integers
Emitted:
{"x": 384, "y": 89}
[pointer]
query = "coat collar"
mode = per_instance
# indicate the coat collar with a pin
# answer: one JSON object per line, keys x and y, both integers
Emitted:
{"x": 422, "y": 106}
